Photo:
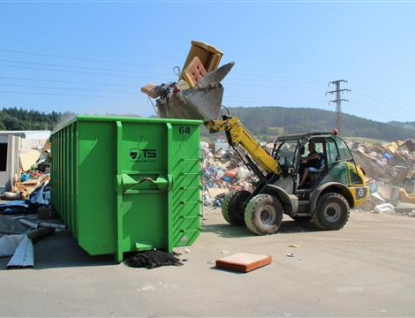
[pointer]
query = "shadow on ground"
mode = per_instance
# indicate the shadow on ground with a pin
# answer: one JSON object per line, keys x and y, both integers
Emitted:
{"x": 61, "y": 250}
{"x": 287, "y": 227}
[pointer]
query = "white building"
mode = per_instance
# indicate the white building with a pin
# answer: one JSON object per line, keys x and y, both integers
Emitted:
{"x": 12, "y": 144}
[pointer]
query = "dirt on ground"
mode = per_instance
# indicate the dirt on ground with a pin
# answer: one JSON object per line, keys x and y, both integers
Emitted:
{"x": 365, "y": 269}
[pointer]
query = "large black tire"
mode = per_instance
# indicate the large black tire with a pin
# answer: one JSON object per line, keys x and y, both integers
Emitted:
{"x": 263, "y": 214}
{"x": 332, "y": 211}
{"x": 233, "y": 207}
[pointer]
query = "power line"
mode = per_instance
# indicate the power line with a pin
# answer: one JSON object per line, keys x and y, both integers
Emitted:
{"x": 371, "y": 92}
{"x": 70, "y": 95}
{"x": 81, "y": 67}
{"x": 65, "y": 82}
{"x": 65, "y": 71}
{"x": 66, "y": 88}
{"x": 278, "y": 90}
{"x": 338, "y": 99}
{"x": 393, "y": 106}
{"x": 78, "y": 58}
{"x": 278, "y": 77}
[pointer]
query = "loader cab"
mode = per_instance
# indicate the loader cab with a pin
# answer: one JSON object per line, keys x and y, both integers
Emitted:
{"x": 335, "y": 161}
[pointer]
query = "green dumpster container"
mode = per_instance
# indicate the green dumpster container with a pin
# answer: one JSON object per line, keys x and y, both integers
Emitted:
{"x": 125, "y": 184}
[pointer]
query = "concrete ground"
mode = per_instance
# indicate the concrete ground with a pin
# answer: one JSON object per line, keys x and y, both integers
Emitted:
{"x": 366, "y": 269}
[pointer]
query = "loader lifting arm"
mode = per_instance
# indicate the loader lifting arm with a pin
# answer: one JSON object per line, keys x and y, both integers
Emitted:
{"x": 244, "y": 143}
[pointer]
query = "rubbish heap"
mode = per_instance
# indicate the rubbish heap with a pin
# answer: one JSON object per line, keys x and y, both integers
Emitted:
{"x": 390, "y": 173}
{"x": 34, "y": 171}
{"x": 223, "y": 172}
{"x": 30, "y": 188}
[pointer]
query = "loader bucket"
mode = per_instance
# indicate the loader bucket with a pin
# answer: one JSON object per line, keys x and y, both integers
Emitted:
{"x": 195, "y": 103}
{"x": 201, "y": 102}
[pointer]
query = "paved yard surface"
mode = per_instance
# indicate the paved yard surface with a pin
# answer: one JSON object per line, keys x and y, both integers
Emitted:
{"x": 366, "y": 269}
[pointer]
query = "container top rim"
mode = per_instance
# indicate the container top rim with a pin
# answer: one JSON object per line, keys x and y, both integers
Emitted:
{"x": 85, "y": 118}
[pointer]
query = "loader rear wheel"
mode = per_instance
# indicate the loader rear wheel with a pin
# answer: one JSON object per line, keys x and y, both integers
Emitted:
{"x": 233, "y": 207}
{"x": 332, "y": 211}
{"x": 263, "y": 214}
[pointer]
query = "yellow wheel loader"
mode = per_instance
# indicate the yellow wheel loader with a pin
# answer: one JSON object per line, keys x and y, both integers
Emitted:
{"x": 327, "y": 194}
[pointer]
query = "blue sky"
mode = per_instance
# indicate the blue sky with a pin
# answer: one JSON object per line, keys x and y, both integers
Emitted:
{"x": 92, "y": 57}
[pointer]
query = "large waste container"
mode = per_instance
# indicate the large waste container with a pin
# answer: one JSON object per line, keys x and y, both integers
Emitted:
{"x": 124, "y": 184}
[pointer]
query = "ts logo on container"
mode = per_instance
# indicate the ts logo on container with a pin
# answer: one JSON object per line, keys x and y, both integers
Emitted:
{"x": 143, "y": 154}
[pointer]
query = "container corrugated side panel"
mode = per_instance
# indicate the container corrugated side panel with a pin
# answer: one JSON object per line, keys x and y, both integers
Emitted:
{"x": 75, "y": 177}
{"x": 64, "y": 171}
{"x": 96, "y": 213}
{"x": 185, "y": 211}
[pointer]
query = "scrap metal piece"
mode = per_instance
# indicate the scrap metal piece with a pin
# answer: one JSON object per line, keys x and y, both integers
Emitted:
{"x": 37, "y": 234}
{"x": 23, "y": 256}
{"x": 9, "y": 243}
{"x": 57, "y": 226}
{"x": 28, "y": 223}
{"x": 215, "y": 76}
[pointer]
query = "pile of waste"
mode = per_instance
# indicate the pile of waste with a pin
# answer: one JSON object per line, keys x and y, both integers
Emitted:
{"x": 34, "y": 172}
{"x": 223, "y": 172}
{"x": 30, "y": 188}
{"x": 390, "y": 173}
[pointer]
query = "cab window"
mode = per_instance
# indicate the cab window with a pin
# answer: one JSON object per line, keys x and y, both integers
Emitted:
{"x": 287, "y": 153}
{"x": 344, "y": 151}
{"x": 332, "y": 151}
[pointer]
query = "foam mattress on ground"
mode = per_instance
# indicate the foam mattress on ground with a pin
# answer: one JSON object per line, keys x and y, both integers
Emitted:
{"x": 243, "y": 262}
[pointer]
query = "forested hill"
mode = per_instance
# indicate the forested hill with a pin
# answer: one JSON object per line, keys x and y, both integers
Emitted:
{"x": 408, "y": 124}
{"x": 20, "y": 119}
{"x": 263, "y": 121}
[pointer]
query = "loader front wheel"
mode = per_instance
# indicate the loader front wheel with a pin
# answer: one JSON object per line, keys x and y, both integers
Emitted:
{"x": 233, "y": 207}
{"x": 263, "y": 214}
{"x": 332, "y": 211}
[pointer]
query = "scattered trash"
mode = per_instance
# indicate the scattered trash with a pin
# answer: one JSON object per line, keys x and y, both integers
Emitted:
{"x": 385, "y": 208}
{"x": 11, "y": 195}
{"x": 243, "y": 262}
{"x": 44, "y": 212}
{"x": 14, "y": 207}
{"x": 24, "y": 255}
{"x": 20, "y": 247}
{"x": 28, "y": 223}
{"x": 290, "y": 255}
{"x": 9, "y": 243}
{"x": 38, "y": 224}
{"x": 294, "y": 245}
{"x": 152, "y": 259}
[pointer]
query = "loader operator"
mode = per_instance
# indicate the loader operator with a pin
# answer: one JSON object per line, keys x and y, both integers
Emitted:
{"x": 312, "y": 160}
